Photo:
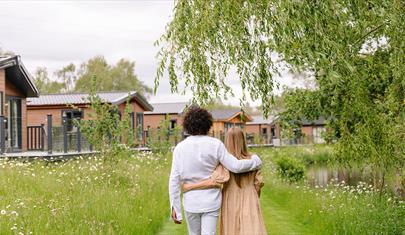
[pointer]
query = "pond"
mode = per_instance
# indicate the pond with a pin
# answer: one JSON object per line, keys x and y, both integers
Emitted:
{"x": 321, "y": 175}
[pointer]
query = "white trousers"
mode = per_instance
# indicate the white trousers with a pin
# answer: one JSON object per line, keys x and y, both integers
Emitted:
{"x": 202, "y": 223}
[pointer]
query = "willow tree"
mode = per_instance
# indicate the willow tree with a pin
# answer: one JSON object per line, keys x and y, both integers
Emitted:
{"x": 337, "y": 41}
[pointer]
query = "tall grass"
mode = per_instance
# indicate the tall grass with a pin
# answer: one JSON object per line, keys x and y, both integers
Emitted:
{"x": 311, "y": 154}
{"x": 335, "y": 209}
{"x": 84, "y": 196}
{"x": 129, "y": 196}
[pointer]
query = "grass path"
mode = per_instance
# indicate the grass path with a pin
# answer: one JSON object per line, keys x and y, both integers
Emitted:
{"x": 277, "y": 218}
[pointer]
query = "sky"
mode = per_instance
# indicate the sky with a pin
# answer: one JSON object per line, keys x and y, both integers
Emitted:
{"x": 53, "y": 34}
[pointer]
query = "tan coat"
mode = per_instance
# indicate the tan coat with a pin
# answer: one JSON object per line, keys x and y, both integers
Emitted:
{"x": 240, "y": 211}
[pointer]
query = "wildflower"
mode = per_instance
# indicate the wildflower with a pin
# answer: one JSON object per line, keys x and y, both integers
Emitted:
{"x": 3, "y": 212}
{"x": 14, "y": 213}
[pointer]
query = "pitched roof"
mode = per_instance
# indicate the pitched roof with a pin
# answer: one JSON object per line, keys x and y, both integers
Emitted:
{"x": 226, "y": 114}
{"x": 115, "y": 98}
{"x": 261, "y": 120}
{"x": 17, "y": 74}
{"x": 167, "y": 108}
{"x": 319, "y": 121}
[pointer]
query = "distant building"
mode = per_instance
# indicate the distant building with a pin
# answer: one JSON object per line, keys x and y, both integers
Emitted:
{"x": 266, "y": 129}
{"x": 313, "y": 130}
{"x": 225, "y": 119}
{"x": 310, "y": 132}
{"x": 15, "y": 86}
{"x": 222, "y": 119}
{"x": 162, "y": 110}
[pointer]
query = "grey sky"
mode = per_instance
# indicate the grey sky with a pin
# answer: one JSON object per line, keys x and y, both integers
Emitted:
{"x": 55, "y": 33}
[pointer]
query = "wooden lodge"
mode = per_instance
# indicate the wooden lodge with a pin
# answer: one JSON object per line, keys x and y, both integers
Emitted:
{"x": 15, "y": 86}
{"x": 63, "y": 108}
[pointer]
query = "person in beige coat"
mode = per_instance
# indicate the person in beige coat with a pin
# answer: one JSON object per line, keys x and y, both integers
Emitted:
{"x": 240, "y": 210}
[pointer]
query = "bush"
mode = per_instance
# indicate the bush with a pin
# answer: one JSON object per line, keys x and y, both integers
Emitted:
{"x": 316, "y": 155}
{"x": 290, "y": 169}
{"x": 163, "y": 139}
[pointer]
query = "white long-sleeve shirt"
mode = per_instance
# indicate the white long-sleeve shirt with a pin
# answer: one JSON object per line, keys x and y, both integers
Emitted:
{"x": 194, "y": 159}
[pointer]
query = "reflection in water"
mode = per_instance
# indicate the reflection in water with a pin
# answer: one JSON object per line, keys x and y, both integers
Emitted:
{"x": 322, "y": 175}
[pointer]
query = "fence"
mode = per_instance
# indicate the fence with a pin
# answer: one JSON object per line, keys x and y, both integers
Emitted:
{"x": 50, "y": 138}
{"x": 63, "y": 139}
{"x": 36, "y": 137}
{"x": 258, "y": 139}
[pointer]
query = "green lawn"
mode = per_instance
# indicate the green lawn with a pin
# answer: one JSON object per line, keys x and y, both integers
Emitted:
{"x": 276, "y": 216}
{"x": 84, "y": 196}
{"x": 128, "y": 195}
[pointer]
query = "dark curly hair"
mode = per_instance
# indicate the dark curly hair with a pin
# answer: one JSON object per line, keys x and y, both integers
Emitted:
{"x": 197, "y": 121}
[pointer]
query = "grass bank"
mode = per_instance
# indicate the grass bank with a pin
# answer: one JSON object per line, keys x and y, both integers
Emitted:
{"x": 84, "y": 196}
{"x": 129, "y": 196}
{"x": 334, "y": 209}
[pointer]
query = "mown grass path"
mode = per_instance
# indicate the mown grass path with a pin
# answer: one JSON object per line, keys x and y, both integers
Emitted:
{"x": 277, "y": 216}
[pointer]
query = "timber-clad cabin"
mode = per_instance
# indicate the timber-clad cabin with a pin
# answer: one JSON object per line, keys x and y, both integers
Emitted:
{"x": 223, "y": 120}
{"x": 69, "y": 106}
{"x": 16, "y": 85}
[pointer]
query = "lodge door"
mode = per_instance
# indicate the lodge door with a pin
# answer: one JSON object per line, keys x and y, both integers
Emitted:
{"x": 14, "y": 132}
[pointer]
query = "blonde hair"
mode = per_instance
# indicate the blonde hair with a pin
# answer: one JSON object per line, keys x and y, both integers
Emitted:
{"x": 235, "y": 143}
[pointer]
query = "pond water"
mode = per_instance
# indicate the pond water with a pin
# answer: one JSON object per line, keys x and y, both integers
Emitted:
{"x": 321, "y": 175}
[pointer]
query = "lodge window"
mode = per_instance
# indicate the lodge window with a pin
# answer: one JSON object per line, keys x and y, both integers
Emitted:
{"x": 71, "y": 115}
{"x": 1, "y": 103}
{"x": 139, "y": 125}
{"x": 15, "y": 123}
{"x": 228, "y": 125}
{"x": 240, "y": 125}
{"x": 264, "y": 131}
{"x": 173, "y": 123}
{"x": 273, "y": 132}
{"x": 317, "y": 133}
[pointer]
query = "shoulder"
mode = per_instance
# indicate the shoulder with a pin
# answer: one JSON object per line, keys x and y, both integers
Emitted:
{"x": 210, "y": 140}
{"x": 179, "y": 146}
{"x": 214, "y": 140}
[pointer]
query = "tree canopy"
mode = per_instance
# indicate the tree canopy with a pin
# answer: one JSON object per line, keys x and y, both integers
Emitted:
{"x": 206, "y": 38}
{"x": 44, "y": 84}
{"x": 5, "y": 53}
{"x": 118, "y": 77}
{"x": 354, "y": 49}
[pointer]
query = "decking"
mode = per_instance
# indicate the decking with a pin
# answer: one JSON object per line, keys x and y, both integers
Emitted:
{"x": 54, "y": 156}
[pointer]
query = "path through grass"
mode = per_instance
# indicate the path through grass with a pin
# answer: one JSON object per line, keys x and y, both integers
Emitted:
{"x": 277, "y": 218}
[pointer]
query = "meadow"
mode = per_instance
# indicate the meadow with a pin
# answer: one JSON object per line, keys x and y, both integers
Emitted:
{"x": 84, "y": 196}
{"x": 128, "y": 195}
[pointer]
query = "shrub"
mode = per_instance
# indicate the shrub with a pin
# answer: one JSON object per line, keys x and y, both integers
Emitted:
{"x": 316, "y": 155}
{"x": 290, "y": 169}
{"x": 163, "y": 139}
{"x": 108, "y": 131}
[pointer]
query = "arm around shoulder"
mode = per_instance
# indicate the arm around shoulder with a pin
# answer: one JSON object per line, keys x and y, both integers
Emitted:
{"x": 237, "y": 166}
